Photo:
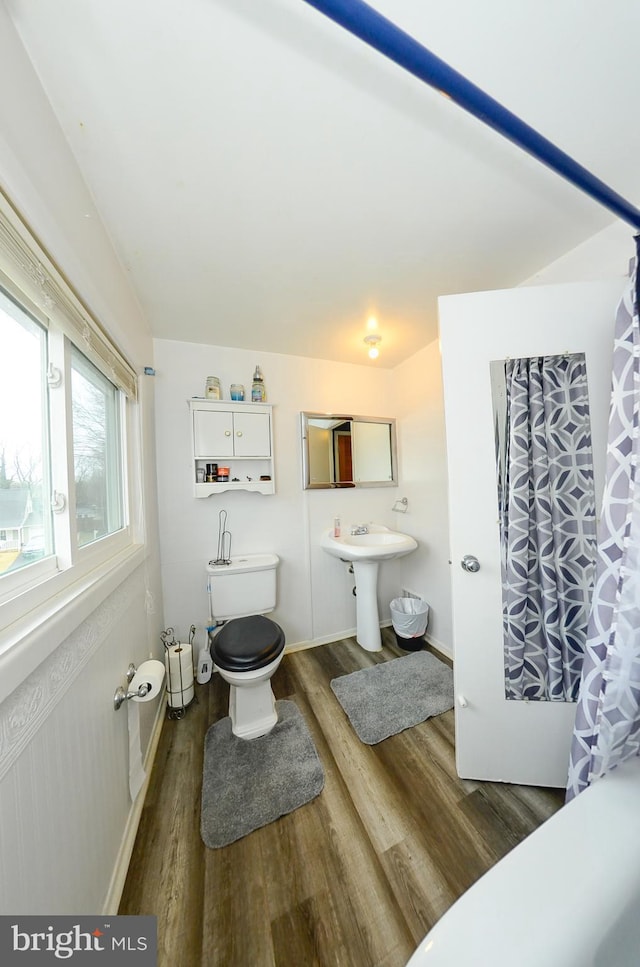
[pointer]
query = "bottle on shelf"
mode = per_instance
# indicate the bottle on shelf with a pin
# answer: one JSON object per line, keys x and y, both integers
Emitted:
{"x": 258, "y": 392}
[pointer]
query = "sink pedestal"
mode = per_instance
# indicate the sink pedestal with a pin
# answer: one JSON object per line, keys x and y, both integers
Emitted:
{"x": 367, "y": 618}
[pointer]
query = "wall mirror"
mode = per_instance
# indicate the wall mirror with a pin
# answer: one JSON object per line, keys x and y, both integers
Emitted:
{"x": 547, "y": 519}
{"x": 340, "y": 450}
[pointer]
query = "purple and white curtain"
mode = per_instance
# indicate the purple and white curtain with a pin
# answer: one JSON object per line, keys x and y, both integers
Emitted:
{"x": 607, "y": 728}
{"x": 547, "y": 523}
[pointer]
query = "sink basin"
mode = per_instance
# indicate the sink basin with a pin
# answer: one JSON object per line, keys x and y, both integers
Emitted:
{"x": 365, "y": 552}
{"x": 379, "y": 544}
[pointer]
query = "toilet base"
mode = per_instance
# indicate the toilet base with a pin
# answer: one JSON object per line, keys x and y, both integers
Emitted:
{"x": 252, "y": 709}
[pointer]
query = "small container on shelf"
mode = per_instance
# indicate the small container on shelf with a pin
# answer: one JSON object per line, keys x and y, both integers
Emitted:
{"x": 258, "y": 392}
{"x": 223, "y": 475}
{"x": 212, "y": 390}
{"x": 237, "y": 392}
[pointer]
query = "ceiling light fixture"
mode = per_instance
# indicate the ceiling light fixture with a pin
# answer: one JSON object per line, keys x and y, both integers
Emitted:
{"x": 372, "y": 342}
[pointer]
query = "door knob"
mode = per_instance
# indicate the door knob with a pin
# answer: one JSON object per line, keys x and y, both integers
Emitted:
{"x": 470, "y": 563}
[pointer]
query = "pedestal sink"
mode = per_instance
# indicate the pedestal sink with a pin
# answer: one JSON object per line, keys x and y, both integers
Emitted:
{"x": 365, "y": 551}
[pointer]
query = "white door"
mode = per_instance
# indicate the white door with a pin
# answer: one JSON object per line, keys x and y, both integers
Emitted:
{"x": 496, "y": 739}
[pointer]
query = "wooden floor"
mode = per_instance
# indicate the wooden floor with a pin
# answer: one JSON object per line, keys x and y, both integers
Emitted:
{"x": 354, "y": 878}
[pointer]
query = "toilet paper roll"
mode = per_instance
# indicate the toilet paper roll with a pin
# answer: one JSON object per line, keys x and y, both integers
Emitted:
{"x": 151, "y": 674}
{"x": 178, "y": 661}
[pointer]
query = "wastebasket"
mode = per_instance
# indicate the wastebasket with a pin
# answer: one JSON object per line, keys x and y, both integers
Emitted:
{"x": 409, "y": 617}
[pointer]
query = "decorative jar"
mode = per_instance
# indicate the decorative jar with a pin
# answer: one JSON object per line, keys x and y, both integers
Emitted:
{"x": 212, "y": 389}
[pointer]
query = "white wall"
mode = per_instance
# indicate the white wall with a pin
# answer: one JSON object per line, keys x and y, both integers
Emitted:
{"x": 419, "y": 407}
{"x": 605, "y": 255}
{"x": 64, "y": 794}
{"x": 65, "y": 812}
{"x": 315, "y": 600}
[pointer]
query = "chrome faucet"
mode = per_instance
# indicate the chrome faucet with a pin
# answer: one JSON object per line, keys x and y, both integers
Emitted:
{"x": 359, "y": 529}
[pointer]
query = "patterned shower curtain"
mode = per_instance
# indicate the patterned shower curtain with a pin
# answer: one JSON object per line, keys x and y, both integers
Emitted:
{"x": 607, "y": 728}
{"x": 547, "y": 518}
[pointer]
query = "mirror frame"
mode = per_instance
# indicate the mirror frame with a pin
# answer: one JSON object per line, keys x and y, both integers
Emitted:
{"x": 306, "y": 416}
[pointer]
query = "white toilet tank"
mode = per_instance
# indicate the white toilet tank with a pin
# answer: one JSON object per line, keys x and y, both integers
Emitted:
{"x": 244, "y": 587}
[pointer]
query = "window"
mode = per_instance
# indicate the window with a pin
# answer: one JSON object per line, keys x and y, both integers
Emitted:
{"x": 34, "y": 403}
{"x": 97, "y": 451}
{"x": 25, "y": 521}
{"x": 64, "y": 395}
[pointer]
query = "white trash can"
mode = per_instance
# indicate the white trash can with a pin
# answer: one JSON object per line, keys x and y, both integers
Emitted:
{"x": 409, "y": 617}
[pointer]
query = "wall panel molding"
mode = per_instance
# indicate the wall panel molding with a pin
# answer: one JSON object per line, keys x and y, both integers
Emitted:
{"x": 29, "y": 705}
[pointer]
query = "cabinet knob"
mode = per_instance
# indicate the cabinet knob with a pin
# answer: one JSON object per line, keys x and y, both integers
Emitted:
{"x": 238, "y": 432}
{"x": 227, "y": 432}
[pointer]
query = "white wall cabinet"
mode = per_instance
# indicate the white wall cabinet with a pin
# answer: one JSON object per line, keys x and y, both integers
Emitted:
{"x": 237, "y": 435}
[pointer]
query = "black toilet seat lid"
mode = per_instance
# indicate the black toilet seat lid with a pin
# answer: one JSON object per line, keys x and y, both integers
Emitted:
{"x": 246, "y": 644}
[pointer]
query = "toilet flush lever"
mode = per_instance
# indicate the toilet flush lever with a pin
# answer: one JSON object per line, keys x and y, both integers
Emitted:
{"x": 470, "y": 563}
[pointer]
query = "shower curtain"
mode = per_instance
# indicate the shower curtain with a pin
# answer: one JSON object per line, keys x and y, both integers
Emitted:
{"x": 607, "y": 727}
{"x": 547, "y": 518}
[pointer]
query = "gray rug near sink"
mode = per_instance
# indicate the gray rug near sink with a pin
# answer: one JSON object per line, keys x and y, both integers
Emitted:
{"x": 395, "y": 695}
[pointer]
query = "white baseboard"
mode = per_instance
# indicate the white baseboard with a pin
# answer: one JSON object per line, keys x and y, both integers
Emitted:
{"x": 350, "y": 633}
{"x": 300, "y": 646}
{"x": 439, "y": 646}
{"x": 315, "y": 642}
{"x": 119, "y": 875}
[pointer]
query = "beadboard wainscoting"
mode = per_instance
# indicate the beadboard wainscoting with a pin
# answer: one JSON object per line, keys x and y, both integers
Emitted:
{"x": 65, "y": 809}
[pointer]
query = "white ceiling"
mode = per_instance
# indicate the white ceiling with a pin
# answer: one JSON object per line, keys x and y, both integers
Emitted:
{"x": 269, "y": 182}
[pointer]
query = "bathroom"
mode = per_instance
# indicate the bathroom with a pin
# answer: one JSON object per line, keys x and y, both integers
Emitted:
{"x": 48, "y": 737}
{"x": 315, "y": 599}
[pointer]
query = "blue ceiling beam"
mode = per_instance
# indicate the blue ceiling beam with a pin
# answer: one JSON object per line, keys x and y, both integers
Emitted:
{"x": 370, "y": 26}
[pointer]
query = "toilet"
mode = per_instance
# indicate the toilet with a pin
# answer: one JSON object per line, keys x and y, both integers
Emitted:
{"x": 248, "y": 648}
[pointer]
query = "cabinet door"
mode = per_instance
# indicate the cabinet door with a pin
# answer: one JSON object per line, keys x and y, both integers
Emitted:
{"x": 213, "y": 433}
{"x": 252, "y": 434}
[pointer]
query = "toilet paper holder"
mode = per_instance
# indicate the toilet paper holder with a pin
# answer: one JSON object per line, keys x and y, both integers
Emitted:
{"x": 120, "y": 696}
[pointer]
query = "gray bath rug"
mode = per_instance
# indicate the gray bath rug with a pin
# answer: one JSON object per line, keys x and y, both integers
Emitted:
{"x": 247, "y": 784}
{"x": 395, "y": 695}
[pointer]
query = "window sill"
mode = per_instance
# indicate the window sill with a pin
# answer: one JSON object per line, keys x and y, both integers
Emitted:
{"x": 31, "y": 639}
